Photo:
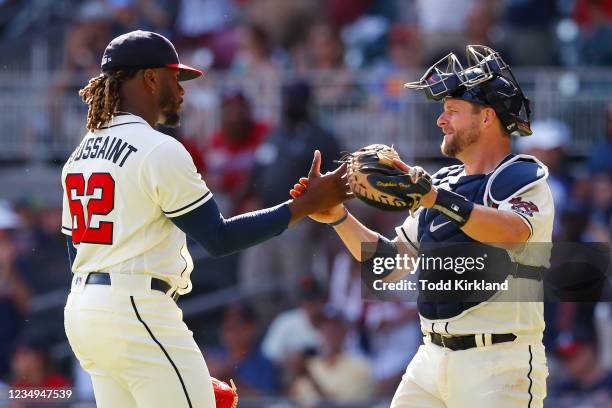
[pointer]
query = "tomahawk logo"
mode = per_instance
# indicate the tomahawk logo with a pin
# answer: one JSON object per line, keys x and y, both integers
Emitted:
{"x": 524, "y": 207}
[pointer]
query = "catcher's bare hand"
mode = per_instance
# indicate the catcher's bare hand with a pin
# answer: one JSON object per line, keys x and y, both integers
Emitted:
{"x": 417, "y": 172}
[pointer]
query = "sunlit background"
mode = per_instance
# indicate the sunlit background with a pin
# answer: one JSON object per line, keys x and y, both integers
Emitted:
{"x": 283, "y": 78}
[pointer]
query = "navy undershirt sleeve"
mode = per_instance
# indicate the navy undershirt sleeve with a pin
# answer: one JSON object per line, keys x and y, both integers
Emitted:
{"x": 221, "y": 236}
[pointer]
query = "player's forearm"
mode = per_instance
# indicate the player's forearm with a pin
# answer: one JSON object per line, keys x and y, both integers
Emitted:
{"x": 496, "y": 226}
{"x": 353, "y": 233}
{"x": 482, "y": 223}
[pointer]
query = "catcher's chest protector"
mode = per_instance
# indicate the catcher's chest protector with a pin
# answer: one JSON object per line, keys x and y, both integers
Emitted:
{"x": 434, "y": 227}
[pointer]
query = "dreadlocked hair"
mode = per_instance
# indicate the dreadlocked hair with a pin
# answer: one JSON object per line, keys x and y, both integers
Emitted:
{"x": 101, "y": 94}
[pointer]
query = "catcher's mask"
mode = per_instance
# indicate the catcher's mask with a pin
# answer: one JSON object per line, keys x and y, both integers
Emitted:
{"x": 487, "y": 80}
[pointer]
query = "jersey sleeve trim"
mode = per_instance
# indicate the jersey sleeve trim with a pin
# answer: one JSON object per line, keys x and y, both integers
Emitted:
{"x": 194, "y": 204}
{"x": 66, "y": 230}
{"x": 526, "y": 221}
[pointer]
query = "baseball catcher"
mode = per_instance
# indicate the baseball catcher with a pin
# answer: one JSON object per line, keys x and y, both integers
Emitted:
{"x": 477, "y": 352}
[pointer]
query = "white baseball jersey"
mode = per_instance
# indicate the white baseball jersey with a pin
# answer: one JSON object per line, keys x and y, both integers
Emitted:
{"x": 122, "y": 185}
{"x": 535, "y": 207}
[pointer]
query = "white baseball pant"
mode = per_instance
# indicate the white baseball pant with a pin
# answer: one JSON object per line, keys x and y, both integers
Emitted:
{"x": 133, "y": 342}
{"x": 504, "y": 375}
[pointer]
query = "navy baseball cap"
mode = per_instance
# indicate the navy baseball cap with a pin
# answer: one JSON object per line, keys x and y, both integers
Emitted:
{"x": 144, "y": 49}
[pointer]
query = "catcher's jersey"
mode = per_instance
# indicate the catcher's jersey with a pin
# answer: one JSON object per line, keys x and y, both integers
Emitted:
{"x": 534, "y": 204}
{"x": 122, "y": 185}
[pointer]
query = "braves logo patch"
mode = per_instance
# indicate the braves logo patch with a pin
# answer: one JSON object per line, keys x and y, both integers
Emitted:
{"x": 524, "y": 207}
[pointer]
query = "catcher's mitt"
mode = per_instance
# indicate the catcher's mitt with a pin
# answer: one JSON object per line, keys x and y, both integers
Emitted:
{"x": 226, "y": 396}
{"x": 374, "y": 178}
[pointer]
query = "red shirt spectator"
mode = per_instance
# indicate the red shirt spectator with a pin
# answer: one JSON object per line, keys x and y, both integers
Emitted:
{"x": 589, "y": 13}
{"x": 229, "y": 154}
{"x": 50, "y": 381}
{"x": 228, "y": 162}
{"x": 32, "y": 366}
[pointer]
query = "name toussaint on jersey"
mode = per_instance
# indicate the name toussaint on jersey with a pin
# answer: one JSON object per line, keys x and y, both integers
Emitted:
{"x": 103, "y": 147}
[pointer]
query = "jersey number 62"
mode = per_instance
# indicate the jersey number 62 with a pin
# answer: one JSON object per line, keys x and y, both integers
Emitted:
{"x": 97, "y": 204}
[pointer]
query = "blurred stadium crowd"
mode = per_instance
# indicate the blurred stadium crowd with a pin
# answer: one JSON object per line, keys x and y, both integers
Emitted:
{"x": 285, "y": 319}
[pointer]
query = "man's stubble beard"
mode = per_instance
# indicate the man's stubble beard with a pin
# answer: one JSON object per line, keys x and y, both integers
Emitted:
{"x": 170, "y": 116}
{"x": 460, "y": 141}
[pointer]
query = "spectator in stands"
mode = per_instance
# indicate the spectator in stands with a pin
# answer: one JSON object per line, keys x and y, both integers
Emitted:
{"x": 14, "y": 293}
{"x": 286, "y": 22}
{"x": 394, "y": 335}
{"x": 259, "y": 74}
{"x": 84, "y": 41}
{"x": 87, "y": 38}
{"x": 282, "y": 159}
{"x": 208, "y": 25}
{"x": 548, "y": 144}
{"x": 595, "y": 21}
{"x": 345, "y": 287}
{"x": 403, "y": 48}
{"x": 599, "y": 226}
{"x": 32, "y": 365}
{"x": 528, "y": 31}
{"x": 239, "y": 356}
{"x": 599, "y": 156}
{"x": 587, "y": 378}
{"x": 480, "y": 22}
{"x": 324, "y": 56}
{"x": 388, "y": 331}
{"x": 385, "y": 84}
{"x": 150, "y": 15}
{"x": 294, "y": 332}
{"x": 343, "y": 12}
{"x": 228, "y": 156}
{"x": 254, "y": 56}
{"x": 600, "y": 223}
{"x": 443, "y": 25}
{"x": 37, "y": 234}
{"x": 389, "y": 74}
{"x": 332, "y": 374}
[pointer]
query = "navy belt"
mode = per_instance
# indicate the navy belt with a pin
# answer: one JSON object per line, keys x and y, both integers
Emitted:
{"x": 528, "y": 272}
{"x": 468, "y": 341}
{"x": 103, "y": 278}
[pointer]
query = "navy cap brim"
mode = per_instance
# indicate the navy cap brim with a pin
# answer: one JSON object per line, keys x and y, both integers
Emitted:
{"x": 186, "y": 72}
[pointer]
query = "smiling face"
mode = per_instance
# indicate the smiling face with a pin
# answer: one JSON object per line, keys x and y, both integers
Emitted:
{"x": 170, "y": 97}
{"x": 460, "y": 123}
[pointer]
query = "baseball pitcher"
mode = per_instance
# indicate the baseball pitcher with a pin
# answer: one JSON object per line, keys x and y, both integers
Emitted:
{"x": 131, "y": 194}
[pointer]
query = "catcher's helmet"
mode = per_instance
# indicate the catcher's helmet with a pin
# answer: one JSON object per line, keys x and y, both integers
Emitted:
{"x": 483, "y": 82}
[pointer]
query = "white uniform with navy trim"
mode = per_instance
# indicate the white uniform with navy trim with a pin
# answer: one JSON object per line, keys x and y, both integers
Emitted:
{"x": 121, "y": 187}
{"x": 501, "y": 375}
{"x": 154, "y": 179}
